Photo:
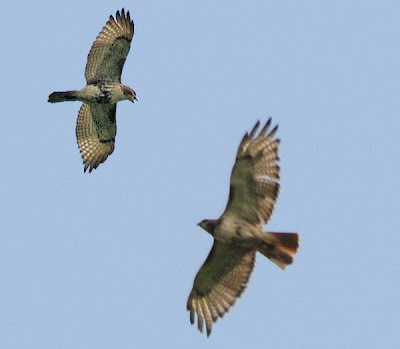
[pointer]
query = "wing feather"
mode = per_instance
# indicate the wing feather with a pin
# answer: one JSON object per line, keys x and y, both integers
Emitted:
{"x": 107, "y": 56}
{"x": 96, "y": 129}
{"x": 254, "y": 186}
{"x": 219, "y": 282}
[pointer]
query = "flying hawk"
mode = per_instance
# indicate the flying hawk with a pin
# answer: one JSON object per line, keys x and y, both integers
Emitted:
{"x": 96, "y": 125}
{"x": 238, "y": 234}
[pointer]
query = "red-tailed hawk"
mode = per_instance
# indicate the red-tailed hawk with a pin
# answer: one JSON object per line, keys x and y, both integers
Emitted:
{"x": 96, "y": 125}
{"x": 238, "y": 234}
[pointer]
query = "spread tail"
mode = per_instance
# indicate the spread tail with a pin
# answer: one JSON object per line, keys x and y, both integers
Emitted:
{"x": 280, "y": 247}
{"x": 62, "y": 96}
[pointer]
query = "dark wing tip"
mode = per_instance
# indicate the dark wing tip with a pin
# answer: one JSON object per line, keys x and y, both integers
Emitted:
{"x": 254, "y": 130}
{"x": 124, "y": 17}
{"x": 266, "y": 127}
{"x": 208, "y": 331}
{"x": 273, "y": 131}
{"x": 246, "y": 135}
{"x": 88, "y": 167}
{"x": 191, "y": 317}
{"x": 200, "y": 323}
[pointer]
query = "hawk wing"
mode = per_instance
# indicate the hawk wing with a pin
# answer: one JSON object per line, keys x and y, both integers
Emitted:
{"x": 95, "y": 133}
{"x": 219, "y": 282}
{"x": 254, "y": 186}
{"x": 108, "y": 53}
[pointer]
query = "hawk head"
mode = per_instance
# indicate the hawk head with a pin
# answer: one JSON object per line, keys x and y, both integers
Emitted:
{"x": 129, "y": 93}
{"x": 208, "y": 225}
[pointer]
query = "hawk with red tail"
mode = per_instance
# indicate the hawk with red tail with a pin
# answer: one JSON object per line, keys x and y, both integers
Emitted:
{"x": 238, "y": 234}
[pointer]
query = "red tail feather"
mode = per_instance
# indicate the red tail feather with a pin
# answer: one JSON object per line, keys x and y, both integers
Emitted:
{"x": 280, "y": 247}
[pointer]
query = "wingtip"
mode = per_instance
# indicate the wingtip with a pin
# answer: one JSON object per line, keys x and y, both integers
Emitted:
{"x": 87, "y": 167}
{"x": 124, "y": 17}
{"x": 191, "y": 317}
{"x": 254, "y": 130}
{"x": 273, "y": 131}
{"x": 266, "y": 127}
{"x": 200, "y": 323}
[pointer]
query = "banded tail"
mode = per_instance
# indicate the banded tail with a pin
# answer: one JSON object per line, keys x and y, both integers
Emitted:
{"x": 56, "y": 97}
{"x": 280, "y": 247}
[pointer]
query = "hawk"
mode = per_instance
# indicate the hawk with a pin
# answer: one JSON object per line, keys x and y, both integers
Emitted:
{"x": 96, "y": 125}
{"x": 238, "y": 234}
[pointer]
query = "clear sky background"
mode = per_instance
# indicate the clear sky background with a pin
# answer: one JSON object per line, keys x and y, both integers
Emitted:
{"x": 107, "y": 259}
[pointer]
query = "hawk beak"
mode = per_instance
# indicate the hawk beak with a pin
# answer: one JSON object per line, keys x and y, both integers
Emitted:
{"x": 134, "y": 99}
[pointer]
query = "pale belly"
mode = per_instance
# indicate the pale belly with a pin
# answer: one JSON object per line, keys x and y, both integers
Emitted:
{"x": 109, "y": 93}
{"x": 238, "y": 231}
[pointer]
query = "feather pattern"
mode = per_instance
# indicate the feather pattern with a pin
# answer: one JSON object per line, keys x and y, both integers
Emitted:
{"x": 254, "y": 179}
{"x": 96, "y": 129}
{"x": 238, "y": 234}
{"x": 219, "y": 282}
{"x": 107, "y": 56}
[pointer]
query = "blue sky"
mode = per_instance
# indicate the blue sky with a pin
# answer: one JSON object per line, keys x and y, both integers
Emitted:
{"x": 107, "y": 260}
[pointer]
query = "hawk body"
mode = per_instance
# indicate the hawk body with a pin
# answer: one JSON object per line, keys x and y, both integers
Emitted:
{"x": 96, "y": 125}
{"x": 238, "y": 234}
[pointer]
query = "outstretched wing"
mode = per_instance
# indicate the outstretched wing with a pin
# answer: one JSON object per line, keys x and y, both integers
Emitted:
{"x": 95, "y": 133}
{"x": 254, "y": 186}
{"x": 109, "y": 51}
{"x": 219, "y": 282}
